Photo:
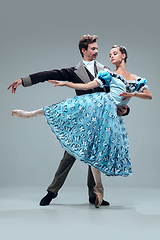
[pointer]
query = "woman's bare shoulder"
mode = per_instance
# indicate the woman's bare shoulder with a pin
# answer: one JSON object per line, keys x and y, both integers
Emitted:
{"x": 133, "y": 76}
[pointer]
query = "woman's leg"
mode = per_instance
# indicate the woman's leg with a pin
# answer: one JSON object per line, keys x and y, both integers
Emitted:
{"x": 27, "y": 114}
{"x": 98, "y": 189}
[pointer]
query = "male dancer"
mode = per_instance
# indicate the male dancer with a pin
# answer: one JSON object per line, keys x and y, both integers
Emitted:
{"x": 84, "y": 72}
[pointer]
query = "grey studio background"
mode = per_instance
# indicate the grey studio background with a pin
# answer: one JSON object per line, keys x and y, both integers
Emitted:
{"x": 43, "y": 35}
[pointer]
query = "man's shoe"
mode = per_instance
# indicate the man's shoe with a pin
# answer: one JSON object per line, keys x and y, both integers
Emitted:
{"x": 48, "y": 198}
{"x": 104, "y": 203}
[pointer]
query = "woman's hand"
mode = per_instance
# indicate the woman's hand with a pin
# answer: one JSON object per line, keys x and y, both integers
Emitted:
{"x": 126, "y": 95}
{"x": 57, "y": 83}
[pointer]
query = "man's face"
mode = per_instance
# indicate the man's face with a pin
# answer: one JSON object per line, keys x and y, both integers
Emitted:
{"x": 91, "y": 53}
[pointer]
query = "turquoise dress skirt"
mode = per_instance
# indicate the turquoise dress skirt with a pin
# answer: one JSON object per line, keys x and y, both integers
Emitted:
{"x": 89, "y": 129}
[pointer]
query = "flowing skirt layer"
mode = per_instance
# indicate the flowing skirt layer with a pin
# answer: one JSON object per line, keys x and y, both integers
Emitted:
{"x": 89, "y": 129}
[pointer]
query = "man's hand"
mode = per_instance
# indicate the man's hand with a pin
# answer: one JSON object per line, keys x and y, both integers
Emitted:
{"x": 121, "y": 110}
{"x": 15, "y": 84}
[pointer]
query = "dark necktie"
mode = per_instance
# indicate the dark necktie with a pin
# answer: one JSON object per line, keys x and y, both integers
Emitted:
{"x": 95, "y": 69}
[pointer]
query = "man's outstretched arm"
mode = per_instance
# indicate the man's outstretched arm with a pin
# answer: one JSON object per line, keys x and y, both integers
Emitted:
{"x": 65, "y": 74}
{"x": 61, "y": 75}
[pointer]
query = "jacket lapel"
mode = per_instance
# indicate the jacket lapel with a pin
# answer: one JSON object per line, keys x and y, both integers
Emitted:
{"x": 100, "y": 66}
{"x": 81, "y": 72}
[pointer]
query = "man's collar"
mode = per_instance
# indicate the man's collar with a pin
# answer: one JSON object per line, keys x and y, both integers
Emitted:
{"x": 88, "y": 63}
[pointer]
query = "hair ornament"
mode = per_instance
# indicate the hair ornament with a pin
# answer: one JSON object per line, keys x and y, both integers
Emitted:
{"x": 124, "y": 48}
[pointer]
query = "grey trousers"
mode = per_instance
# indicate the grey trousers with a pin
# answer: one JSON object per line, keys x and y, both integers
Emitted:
{"x": 62, "y": 172}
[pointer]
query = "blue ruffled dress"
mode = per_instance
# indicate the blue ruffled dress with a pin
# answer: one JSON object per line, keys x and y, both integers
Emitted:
{"x": 89, "y": 128}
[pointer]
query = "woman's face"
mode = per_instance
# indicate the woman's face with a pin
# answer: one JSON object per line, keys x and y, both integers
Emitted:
{"x": 116, "y": 56}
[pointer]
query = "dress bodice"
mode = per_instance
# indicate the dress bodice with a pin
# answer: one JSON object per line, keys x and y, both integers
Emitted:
{"x": 118, "y": 84}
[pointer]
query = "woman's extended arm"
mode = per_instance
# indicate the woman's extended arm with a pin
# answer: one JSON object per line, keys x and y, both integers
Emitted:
{"x": 77, "y": 86}
{"x": 144, "y": 95}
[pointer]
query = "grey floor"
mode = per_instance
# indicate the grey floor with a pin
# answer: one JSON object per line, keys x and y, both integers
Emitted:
{"x": 134, "y": 214}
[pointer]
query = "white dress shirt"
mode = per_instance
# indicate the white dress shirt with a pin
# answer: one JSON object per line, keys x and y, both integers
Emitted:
{"x": 89, "y": 66}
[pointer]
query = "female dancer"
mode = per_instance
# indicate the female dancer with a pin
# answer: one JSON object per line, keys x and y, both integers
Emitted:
{"x": 88, "y": 127}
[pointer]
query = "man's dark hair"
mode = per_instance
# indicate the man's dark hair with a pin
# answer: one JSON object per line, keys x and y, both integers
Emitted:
{"x": 85, "y": 40}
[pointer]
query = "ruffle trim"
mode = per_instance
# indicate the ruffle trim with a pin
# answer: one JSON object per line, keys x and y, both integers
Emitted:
{"x": 140, "y": 82}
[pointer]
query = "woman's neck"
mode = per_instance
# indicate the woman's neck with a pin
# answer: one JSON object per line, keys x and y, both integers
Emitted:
{"x": 121, "y": 69}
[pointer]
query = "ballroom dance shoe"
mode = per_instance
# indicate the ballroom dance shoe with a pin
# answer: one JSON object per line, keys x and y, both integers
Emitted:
{"x": 48, "y": 198}
{"x": 99, "y": 196}
{"x": 23, "y": 114}
{"x": 104, "y": 203}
